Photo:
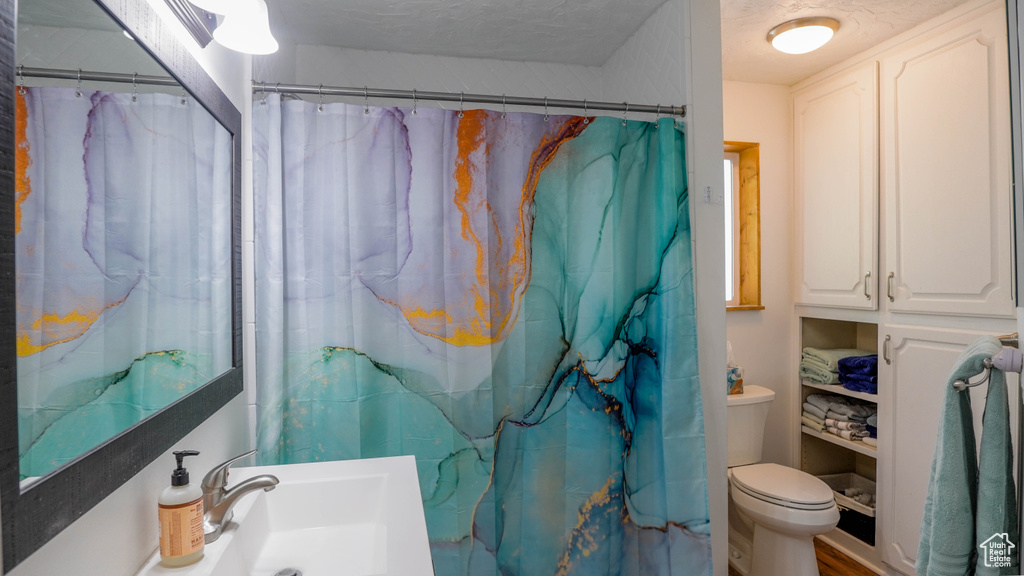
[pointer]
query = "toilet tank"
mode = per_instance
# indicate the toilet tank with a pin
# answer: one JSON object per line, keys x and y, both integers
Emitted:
{"x": 745, "y": 417}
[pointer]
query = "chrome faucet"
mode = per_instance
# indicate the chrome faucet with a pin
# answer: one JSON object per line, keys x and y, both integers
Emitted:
{"x": 218, "y": 500}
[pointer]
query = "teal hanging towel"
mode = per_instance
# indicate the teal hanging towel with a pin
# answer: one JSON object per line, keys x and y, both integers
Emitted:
{"x": 970, "y": 517}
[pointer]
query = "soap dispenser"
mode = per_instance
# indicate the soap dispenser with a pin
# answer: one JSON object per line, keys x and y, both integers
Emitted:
{"x": 181, "y": 518}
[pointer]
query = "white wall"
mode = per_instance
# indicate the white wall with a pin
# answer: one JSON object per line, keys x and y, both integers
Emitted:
{"x": 345, "y": 67}
{"x": 703, "y": 81}
{"x": 117, "y": 536}
{"x": 762, "y": 113}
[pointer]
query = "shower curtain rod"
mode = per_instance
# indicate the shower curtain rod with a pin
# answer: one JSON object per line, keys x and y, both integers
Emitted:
{"x": 83, "y": 75}
{"x": 586, "y": 105}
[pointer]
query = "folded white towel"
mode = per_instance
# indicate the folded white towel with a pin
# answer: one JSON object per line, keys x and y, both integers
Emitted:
{"x": 870, "y": 441}
{"x": 844, "y": 417}
{"x": 812, "y": 424}
{"x": 847, "y": 434}
{"x": 812, "y": 409}
{"x": 821, "y": 401}
{"x": 844, "y": 406}
{"x": 844, "y": 425}
{"x": 813, "y": 417}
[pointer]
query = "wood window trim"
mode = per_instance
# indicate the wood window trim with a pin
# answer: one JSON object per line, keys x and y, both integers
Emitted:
{"x": 749, "y": 206}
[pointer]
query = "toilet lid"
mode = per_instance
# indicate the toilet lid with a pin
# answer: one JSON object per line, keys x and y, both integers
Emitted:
{"x": 784, "y": 486}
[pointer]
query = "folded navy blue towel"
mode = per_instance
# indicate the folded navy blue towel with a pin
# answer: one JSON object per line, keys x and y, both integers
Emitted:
{"x": 872, "y": 431}
{"x": 866, "y": 365}
{"x": 858, "y": 378}
{"x": 860, "y": 383}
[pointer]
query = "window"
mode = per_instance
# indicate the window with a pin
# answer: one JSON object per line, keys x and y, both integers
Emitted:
{"x": 732, "y": 226}
{"x": 742, "y": 226}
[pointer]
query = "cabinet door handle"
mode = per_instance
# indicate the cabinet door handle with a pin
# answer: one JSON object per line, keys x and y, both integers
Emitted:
{"x": 888, "y": 286}
{"x": 885, "y": 349}
{"x": 867, "y": 278}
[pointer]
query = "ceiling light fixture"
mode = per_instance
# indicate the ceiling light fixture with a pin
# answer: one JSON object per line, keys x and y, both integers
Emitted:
{"x": 803, "y": 34}
{"x": 247, "y": 30}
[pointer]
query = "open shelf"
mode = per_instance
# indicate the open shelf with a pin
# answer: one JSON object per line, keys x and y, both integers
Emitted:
{"x": 838, "y": 389}
{"x": 854, "y": 547}
{"x": 856, "y": 446}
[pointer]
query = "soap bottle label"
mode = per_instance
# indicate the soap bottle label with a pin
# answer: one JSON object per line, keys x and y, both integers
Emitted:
{"x": 181, "y": 528}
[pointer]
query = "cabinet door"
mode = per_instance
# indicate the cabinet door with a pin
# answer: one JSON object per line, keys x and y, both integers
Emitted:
{"x": 836, "y": 185}
{"x": 946, "y": 165}
{"x": 912, "y": 387}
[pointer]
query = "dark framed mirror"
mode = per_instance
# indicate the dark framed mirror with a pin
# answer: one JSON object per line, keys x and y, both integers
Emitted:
{"x": 36, "y": 505}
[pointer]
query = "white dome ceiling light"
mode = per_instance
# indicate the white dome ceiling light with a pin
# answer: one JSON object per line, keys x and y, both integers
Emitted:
{"x": 803, "y": 34}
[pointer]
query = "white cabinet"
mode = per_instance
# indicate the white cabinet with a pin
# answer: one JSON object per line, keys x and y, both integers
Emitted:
{"x": 931, "y": 139}
{"x": 836, "y": 190}
{"x": 902, "y": 169}
{"x": 946, "y": 166}
{"x": 913, "y": 370}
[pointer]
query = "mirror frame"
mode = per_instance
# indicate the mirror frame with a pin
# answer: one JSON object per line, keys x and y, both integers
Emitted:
{"x": 30, "y": 518}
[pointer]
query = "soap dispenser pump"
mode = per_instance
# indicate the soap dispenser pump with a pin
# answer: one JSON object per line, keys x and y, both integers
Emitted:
{"x": 180, "y": 508}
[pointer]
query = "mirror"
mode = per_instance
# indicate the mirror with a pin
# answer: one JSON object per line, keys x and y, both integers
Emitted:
{"x": 119, "y": 253}
{"x": 122, "y": 236}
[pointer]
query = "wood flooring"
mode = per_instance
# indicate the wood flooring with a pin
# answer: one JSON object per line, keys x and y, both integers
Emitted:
{"x": 831, "y": 562}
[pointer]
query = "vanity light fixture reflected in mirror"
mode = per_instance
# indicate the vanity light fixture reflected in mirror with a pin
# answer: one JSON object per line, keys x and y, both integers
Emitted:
{"x": 247, "y": 29}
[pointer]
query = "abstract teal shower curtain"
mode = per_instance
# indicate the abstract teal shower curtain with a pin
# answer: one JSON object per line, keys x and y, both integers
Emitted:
{"x": 509, "y": 299}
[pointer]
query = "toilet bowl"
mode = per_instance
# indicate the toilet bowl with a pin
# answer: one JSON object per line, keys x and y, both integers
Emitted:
{"x": 785, "y": 506}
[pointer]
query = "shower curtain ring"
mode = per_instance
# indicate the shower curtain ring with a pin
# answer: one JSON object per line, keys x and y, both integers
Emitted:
{"x": 460, "y": 105}
{"x": 21, "y": 76}
{"x": 503, "y": 113}
{"x": 657, "y": 116}
{"x": 184, "y": 98}
{"x": 78, "y": 88}
{"x": 366, "y": 101}
{"x": 263, "y": 90}
{"x": 546, "y": 109}
{"x": 586, "y": 116}
{"x": 320, "y": 92}
{"x": 624, "y": 112}
{"x": 413, "y": 101}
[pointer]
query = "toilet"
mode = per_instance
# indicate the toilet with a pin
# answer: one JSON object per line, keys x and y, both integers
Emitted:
{"x": 784, "y": 507}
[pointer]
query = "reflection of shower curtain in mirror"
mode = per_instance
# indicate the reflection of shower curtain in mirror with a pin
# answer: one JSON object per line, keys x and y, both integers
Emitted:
{"x": 509, "y": 300}
{"x": 123, "y": 263}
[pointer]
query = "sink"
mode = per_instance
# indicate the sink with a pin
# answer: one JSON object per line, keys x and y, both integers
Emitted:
{"x": 343, "y": 518}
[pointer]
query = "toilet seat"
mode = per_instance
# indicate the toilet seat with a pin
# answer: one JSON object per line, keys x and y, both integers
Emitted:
{"x": 783, "y": 486}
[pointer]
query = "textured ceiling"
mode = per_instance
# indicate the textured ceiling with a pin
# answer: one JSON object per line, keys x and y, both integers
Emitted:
{"x": 748, "y": 57}
{"x": 567, "y": 31}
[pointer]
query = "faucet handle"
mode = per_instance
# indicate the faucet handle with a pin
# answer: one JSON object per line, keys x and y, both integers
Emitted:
{"x": 218, "y": 476}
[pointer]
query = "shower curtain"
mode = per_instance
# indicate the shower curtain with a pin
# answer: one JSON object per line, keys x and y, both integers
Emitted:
{"x": 509, "y": 299}
{"x": 123, "y": 263}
